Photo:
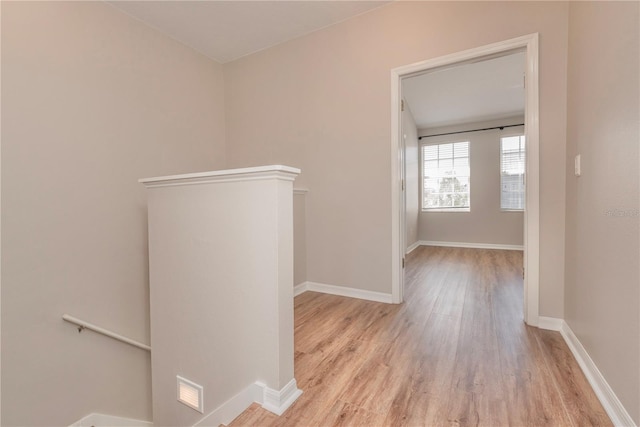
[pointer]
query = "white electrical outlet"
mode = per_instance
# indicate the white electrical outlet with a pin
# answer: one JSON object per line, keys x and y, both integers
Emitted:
{"x": 577, "y": 166}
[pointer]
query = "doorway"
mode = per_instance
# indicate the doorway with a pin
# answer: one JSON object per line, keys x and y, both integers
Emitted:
{"x": 529, "y": 45}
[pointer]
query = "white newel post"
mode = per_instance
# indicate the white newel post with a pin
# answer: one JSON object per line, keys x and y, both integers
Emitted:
{"x": 221, "y": 291}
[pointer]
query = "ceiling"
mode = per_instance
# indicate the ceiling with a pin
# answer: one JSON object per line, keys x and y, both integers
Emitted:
{"x": 228, "y": 30}
{"x": 480, "y": 91}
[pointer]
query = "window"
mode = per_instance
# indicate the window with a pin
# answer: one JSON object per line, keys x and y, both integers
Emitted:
{"x": 512, "y": 164}
{"x": 445, "y": 173}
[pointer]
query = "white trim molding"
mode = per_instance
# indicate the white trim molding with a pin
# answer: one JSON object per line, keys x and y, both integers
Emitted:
{"x": 472, "y": 245}
{"x": 412, "y": 247}
{"x": 287, "y": 173}
{"x": 529, "y": 44}
{"x": 102, "y": 420}
{"x": 612, "y": 405}
{"x": 300, "y": 191}
{"x": 300, "y": 288}
{"x": 233, "y": 407}
{"x": 276, "y": 401}
{"x": 550, "y": 323}
{"x": 610, "y": 402}
{"x": 342, "y": 291}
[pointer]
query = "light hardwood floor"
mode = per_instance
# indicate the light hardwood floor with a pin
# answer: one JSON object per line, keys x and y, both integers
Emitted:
{"x": 456, "y": 353}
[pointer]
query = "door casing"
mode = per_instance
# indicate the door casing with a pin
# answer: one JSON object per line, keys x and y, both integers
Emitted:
{"x": 528, "y": 44}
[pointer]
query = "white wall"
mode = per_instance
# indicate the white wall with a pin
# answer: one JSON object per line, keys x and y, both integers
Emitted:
{"x": 485, "y": 222}
{"x": 322, "y": 103}
{"x": 412, "y": 175}
{"x": 92, "y": 100}
{"x": 603, "y": 224}
{"x": 221, "y": 279}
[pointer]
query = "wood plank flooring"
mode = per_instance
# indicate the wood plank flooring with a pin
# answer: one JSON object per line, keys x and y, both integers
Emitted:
{"x": 456, "y": 353}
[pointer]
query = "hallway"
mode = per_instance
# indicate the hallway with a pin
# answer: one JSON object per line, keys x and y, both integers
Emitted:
{"x": 455, "y": 353}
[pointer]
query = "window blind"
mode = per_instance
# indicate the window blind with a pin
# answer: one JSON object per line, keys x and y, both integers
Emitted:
{"x": 512, "y": 169}
{"x": 446, "y": 176}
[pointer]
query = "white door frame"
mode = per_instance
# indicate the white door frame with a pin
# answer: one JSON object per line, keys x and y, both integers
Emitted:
{"x": 529, "y": 44}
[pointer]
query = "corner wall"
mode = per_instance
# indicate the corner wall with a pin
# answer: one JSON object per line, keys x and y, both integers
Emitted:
{"x": 602, "y": 244}
{"x": 92, "y": 100}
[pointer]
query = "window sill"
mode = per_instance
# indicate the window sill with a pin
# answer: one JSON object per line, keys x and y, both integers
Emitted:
{"x": 467, "y": 210}
{"x": 512, "y": 210}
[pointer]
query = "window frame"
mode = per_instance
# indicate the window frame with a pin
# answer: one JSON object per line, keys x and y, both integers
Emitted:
{"x": 520, "y": 134}
{"x": 446, "y": 209}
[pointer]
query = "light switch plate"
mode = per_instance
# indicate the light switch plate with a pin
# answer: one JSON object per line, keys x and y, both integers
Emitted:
{"x": 577, "y": 166}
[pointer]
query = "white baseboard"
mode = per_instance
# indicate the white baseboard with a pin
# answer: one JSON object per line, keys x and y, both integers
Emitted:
{"x": 342, "y": 291}
{"x": 550, "y": 323}
{"x": 472, "y": 245}
{"x": 300, "y": 289}
{"x": 102, "y": 420}
{"x": 233, "y": 407}
{"x": 612, "y": 405}
{"x": 412, "y": 247}
{"x": 276, "y": 401}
